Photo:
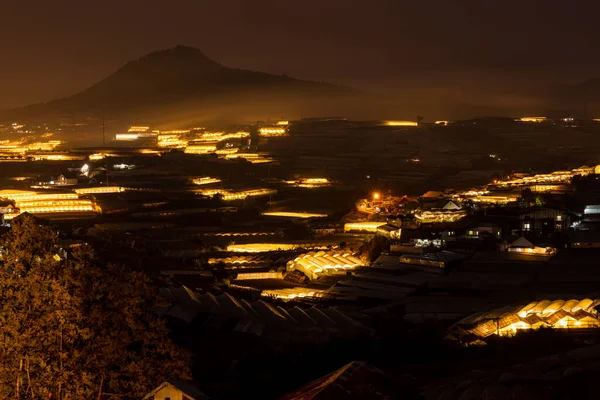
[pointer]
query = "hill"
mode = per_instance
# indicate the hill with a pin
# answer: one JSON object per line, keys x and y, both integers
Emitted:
{"x": 185, "y": 81}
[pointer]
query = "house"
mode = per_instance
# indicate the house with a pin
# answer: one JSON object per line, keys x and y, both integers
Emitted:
{"x": 389, "y": 231}
{"x": 448, "y": 234}
{"x": 525, "y": 246}
{"x": 8, "y": 207}
{"x": 68, "y": 178}
{"x": 45, "y": 180}
{"x": 449, "y": 205}
{"x": 482, "y": 230}
{"x": 174, "y": 389}
{"x": 544, "y": 222}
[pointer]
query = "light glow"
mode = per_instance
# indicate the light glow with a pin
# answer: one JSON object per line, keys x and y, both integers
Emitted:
{"x": 401, "y": 123}
{"x": 230, "y": 195}
{"x": 289, "y": 214}
{"x": 532, "y": 119}
{"x": 205, "y": 180}
{"x": 363, "y": 226}
{"x": 126, "y": 136}
{"x": 261, "y": 247}
{"x": 138, "y": 129}
{"x": 272, "y": 131}
{"x": 100, "y": 190}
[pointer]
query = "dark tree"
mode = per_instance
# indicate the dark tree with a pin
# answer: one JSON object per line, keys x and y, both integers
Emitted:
{"x": 75, "y": 329}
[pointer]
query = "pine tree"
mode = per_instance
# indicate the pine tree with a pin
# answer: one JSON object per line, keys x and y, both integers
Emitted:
{"x": 75, "y": 329}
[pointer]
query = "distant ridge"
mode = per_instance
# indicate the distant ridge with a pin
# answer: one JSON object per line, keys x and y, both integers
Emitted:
{"x": 176, "y": 78}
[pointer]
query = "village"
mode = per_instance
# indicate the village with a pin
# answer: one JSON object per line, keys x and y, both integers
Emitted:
{"x": 246, "y": 243}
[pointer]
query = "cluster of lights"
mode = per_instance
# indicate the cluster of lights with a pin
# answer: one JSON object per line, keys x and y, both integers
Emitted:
{"x": 289, "y": 214}
{"x": 149, "y": 151}
{"x": 401, "y": 123}
{"x": 378, "y": 203}
{"x": 261, "y": 247}
{"x": 97, "y": 156}
{"x": 44, "y": 146}
{"x": 362, "y": 226}
{"x": 540, "y": 251}
{"x": 201, "y": 148}
{"x": 294, "y": 293}
{"x": 122, "y": 167}
{"x": 51, "y": 203}
{"x": 310, "y": 182}
{"x": 486, "y": 199}
{"x": 474, "y": 193}
{"x": 240, "y": 234}
{"x": 532, "y": 119}
{"x": 171, "y": 139}
{"x": 440, "y": 216}
{"x": 540, "y": 183}
{"x": 57, "y": 157}
{"x": 100, "y": 190}
{"x": 12, "y": 147}
{"x": 253, "y": 158}
{"x": 138, "y": 129}
{"x": 57, "y": 208}
{"x": 233, "y": 260}
{"x": 12, "y": 159}
{"x": 176, "y": 132}
{"x": 27, "y": 195}
{"x": 205, "y": 180}
{"x": 226, "y": 151}
{"x": 47, "y": 203}
{"x": 557, "y": 177}
{"x": 230, "y": 196}
{"x": 269, "y": 131}
{"x": 21, "y": 147}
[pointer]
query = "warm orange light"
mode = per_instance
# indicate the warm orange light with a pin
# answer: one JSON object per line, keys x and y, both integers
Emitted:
{"x": 291, "y": 214}
{"x": 532, "y": 119}
{"x": 376, "y": 196}
{"x": 401, "y": 123}
{"x": 272, "y": 131}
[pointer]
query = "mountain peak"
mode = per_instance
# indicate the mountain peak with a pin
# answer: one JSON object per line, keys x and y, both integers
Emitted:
{"x": 184, "y": 78}
{"x": 178, "y": 55}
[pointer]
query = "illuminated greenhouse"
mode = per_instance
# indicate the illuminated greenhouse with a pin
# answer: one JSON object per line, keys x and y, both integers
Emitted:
{"x": 507, "y": 321}
{"x": 316, "y": 264}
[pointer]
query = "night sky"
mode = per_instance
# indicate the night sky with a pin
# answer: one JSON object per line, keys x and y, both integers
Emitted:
{"x": 461, "y": 48}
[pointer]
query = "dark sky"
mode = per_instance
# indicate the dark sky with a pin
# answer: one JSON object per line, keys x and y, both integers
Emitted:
{"x": 55, "y": 48}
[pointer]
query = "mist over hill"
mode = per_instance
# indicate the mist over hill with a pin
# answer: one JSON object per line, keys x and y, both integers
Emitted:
{"x": 182, "y": 83}
{"x": 181, "y": 86}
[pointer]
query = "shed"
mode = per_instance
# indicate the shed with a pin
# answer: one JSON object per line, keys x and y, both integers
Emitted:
{"x": 174, "y": 389}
